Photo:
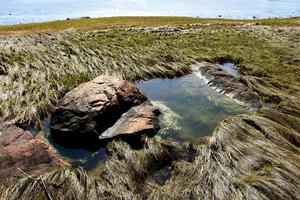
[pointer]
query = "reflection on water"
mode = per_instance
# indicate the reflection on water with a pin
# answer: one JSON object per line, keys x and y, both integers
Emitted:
{"x": 24, "y": 11}
{"x": 77, "y": 157}
{"x": 230, "y": 68}
{"x": 190, "y": 108}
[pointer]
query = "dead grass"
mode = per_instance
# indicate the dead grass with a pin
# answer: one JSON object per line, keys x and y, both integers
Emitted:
{"x": 247, "y": 157}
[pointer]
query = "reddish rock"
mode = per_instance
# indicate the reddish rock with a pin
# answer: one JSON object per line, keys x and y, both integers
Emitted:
{"x": 19, "y": 149}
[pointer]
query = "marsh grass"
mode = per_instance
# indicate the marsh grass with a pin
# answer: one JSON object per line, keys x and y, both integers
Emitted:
{"x": 41, "y": 67}
{"x": 113, "y": 22}
{"x": 247, "y": 157}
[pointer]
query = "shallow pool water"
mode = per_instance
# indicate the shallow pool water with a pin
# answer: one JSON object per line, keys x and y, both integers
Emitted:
{"x": 76, "y": 157}
{"x": 190, "y": 109}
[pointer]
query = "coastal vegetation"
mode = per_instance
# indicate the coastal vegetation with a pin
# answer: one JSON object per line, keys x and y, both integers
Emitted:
{"x": 113, "y": 22}
{"x": 250, "y": 156}
{"x": 40, "y": 67}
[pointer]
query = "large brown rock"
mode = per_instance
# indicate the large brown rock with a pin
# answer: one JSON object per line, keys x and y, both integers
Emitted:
{"x": 20, "y": 150}
{"x": 91, "y": 108}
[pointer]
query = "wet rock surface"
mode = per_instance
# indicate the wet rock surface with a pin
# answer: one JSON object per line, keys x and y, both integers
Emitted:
{"x": 20, "y": 150}
{"x": 228, "y": 84}
{"x": 84, "y": 113}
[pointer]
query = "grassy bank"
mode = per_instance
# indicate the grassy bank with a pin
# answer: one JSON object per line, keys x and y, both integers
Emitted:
{"x": 113, "y": 22}
{"x": 253, "y": 156}
{"x": 43, "y": 61}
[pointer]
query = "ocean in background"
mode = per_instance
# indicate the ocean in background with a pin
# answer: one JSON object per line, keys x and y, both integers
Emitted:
{"x": 26, "y": 11}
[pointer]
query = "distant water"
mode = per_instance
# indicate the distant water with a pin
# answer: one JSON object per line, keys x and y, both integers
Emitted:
{"x": 25, "y": 11}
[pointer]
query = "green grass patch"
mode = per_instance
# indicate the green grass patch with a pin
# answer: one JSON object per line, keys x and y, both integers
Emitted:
{"x": 42, "y": 67}
{"x": 113, "y": 22}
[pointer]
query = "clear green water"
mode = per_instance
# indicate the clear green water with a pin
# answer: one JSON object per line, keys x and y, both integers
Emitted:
{"x": 190, "y": 109}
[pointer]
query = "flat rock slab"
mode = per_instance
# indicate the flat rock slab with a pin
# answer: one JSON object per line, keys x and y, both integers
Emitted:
{"x": 228, "y": 84}
{"x": 142, "y": 119}
{"x": 19, "y": 149}
{"x": 91, "y": 108}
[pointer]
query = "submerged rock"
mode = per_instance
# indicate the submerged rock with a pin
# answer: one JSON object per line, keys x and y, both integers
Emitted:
{"x": 91, "y": 108}
{"x": 19, "y": 150}
{"x": 170, "y": 119}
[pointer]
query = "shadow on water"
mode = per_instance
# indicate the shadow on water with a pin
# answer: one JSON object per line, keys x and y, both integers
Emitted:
{"x": 190, "y": 109}
{"x": 87, "y": 159}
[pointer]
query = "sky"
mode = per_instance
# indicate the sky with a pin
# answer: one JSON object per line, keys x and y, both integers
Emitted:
{"x": 23, "y": 11}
